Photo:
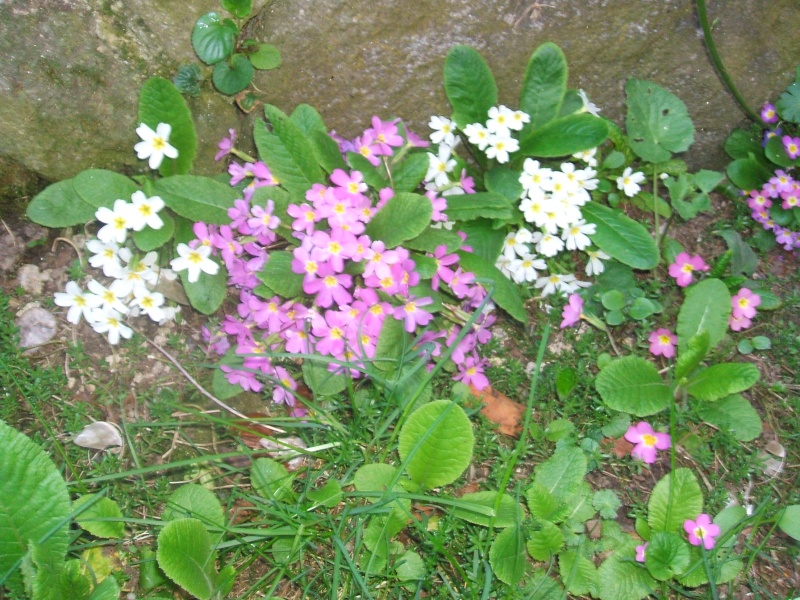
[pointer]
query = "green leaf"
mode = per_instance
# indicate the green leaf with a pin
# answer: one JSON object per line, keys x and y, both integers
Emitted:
{"x": 562, "y": 473}
{"x": 505, "y": 293}
{"x": 435, "y": 444}
{"x": 543, "y": 505}
{"x": 641, "y": 308}
{"x": 676, "y": 498}
{"x": 185, "y": 555}
{"x": 410, "y": 566}
{"x": 789, "y": 522}
{"x": 708, "y": 180}
{"x": 391, "y": 347}
{"x": 621, "y": 237}
{"x": 744, "y": 260}
{"x": 326, "y": 151}
{"x": 161, "y": 102}
{"x": 485, "y": 240}
{"x": 99, "y": 187}
{"x": 469, "y": 85}
{"x": 657, "y": 121}
{"x": 607, "y": 503}
{"x": 377, "y": 477}
{"x": 667, "y": 555}
{"x": 466, "y": 207}
{"x": 296, "y": 145}
{"x": 633, "y": 385}
{"x": 372, "y": 177}
{"x": 707, "y": 307}
{"x": 238, "y": 8}
{"x": 106, "y": 590}
{"x": 93, "y": 518}
{"x": 620, "y": 578}
{"x": 213, "y": 38}
{"x": 544, "y": 541}
{"x": 788, "y": 105}
{"x": 747, "y": 173}
{"x": 690, "y": 357}
{"x": 613, "y": 300}
{"x": 740, "y": 144}
{"x": 565, "y": 135}
{"x": 761, "y": 342}
{"x": 775, "y": 151}
{"x": 402, "y": 218}
{"x": 507, "y": 555}
{"x": 232, "y": 77}
{"x": 721, "y": 380}
{"x": 407, "y": 176}
{"x": 734, "y": 414}
{"x": 149, "y": 239}
{"x": 617, "y": 426}
{"x": 321, "y": 381}
{"x": 59, "y": 205}
{"x": 577, "y": 572}
{"x": 566, "y": 380}
{"x": 308, "y": 120}
{"x": 271, "y": 479}
{"x": 505, "y": 182}
{"x": 278, "y": 275}
{"x": 328, "y": 495}
{"x": 282, "y": 164}
{"x": 192, "y": 500}
{"x": 538, "y": 585}
{"x": 197, "y": 198}
{"x": 222, "y": 388}
{"x": 559, "y": 430}
{"x": 508, "y": 513}
{"x": 544, "y": 85}
{"x": 188, "y": 79}
{"x": 430, "y": 239}
{"x": 207, "y": 293}
{"x": 34, "y": 503}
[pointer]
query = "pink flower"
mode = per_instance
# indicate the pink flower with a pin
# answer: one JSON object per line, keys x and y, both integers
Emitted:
{"x": 640, "y": 550}
{"x": 792, "y": 146}
{"x": 647, "y": 441}
{"x": 471, "y": 373}
{"x": 768, "y": 114}
{"x": 572, "y": 311}
{"x": 744, "y": 304}
{"x": 225, "y": 145}
{"x": 701, "y": 531}
{"x": 739, "y": 323}
{"x": 684, "y": 267}
{"x": 662, "y": 343}
{"x": 411, "y": 313}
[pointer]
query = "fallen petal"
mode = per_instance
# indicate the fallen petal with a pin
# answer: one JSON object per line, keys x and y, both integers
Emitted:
{"x": 99, "y": 436}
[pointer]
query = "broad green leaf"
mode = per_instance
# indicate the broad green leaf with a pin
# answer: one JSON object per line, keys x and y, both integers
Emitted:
{"x": 621, "y": 237}
{"x": 469, "y": 85}
{"x": 266, "y": 57}
{"x": 402, "y": 218}
{"x": 282, "y": 164}
{"x": 106, "y": 590}
{"x": 747, "y": 173}
{"x": 613, "y": 300}
{"x": 328, "y": 495}
{"x": 407, "y": 176}
{"x": 93, "y": 518}
{"x": 192, "y": 500}
{"x": 391, "y": 347}
{"x": 508, "y": 513}
{"x": 617, "y": 426}
{"x": 149, "y": 239}
{"x": 559, "y": 429}
{"x": 507, "y": 555}
{"x": 543, "y": 505}
{"x": 775, "y": 151}
{"x": 377, "y": 477}
{"x": 410, "y": 566}
{"x": 207, "y": 293}
{"x": 197, "y": 198}
{"x": 372, "y": 177}
{"x": 657, "y": 121}
{"x": 633, "y": 385}
{"x": 621, "y": 578}
{"x": 326, "y": 150}
{"x": 232, "y": 77}
{"x": 789, "y": 522}
{"x": 690, "y": 357}
{"x": 161, "y": 102}
{"x": 99, "y": 187}
{"x": 430, "y": 239}
{"x": 538, "y": 585}
{"x": 308, "y": 120}
{"x": 505, "y": 182}
{"x": 435, "y": 444}
{"x": 71, "y": 585}
{"x": 188, "y": 79}
{"x": 271, "y": 479}
{"x": 740, "y": 144}
{"x": 544, "y": 540}
{"x": 667, "y": 555}
{"x": 707, "y": 307}
{"x": 641, "y": 308}
{"x": 321, "y": 381}
{"x": 185, "y": 555}
{"x": 59, "y": 205}
{"x": 788, "y": 105}
{"x": 566, "y": 380}
{"x": 562, "y": 473}
{"x": 213, "y": 38}
{"x": 466, "y": 207}
{"x": 578, "y": 573}
{"x": 278, "y": 275}
{"x": 728, "y": 567}
{"x": 238, "y": 8}
{"x": 721, "y": 380}
{"x": 485, "y": 240}
{"x": 676, "y": 498}
{"x": 735, "y": 415}
{"x": 544, "y": 85}
{"x": 744, "y": 260}
{"x": 222, "y": 388}
{"x": 607, "y": 503}
{"x": 34, "y": 503}
{"x": 505, "y": 293}
{"x": 296, "y": 144}
{"x": 565, "y": 136}
{"x": 708, "y": 180}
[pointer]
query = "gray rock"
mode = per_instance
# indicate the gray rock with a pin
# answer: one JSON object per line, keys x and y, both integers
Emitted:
{"x": 36, "y": 327}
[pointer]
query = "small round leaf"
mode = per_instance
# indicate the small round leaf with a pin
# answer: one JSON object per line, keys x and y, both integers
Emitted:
{"x": 266, "y": 57}
{"x": 213, "y": 38}
{"x": 234, "y": 77}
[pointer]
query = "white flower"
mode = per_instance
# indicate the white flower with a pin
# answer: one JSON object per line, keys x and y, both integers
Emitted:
{"x": 195, "y": 260}
{"x": 577, "y": 235}
{"x": 513, "y": 246}
{"x": 500, "y": 118}
{"x": 595, "y": 264}
{"x": 110, "y": 322}
{"x": 587, "y": 105}
{"x": 155, "y": 144}
{"x": 78, "y": 301}
{"x": 105, "y": 257}
{"x": 443, "y": 131}
{"x": 500, "y": 146}
{"x": 629, "y": 182}
{"x": 149, "y": 302}
{"x": 549, "y": 284}
{"x": 503, "y": 263}
{"x": 587, "y": 156}
{"x": 136, "y": 273}
{"x": 549, "y": 245}
{"x": 440, "y": 166}
{"x": 535, "y": 207}
{"x": 518, "y": 120}
{"x": 525, "y": 268}
{"x": 110, "y": 300}
{"x": 477, "y": 134}
{"x": 144, "y": 211}
{"x": 117, "y": 222}
{"x": 534, "y": 175}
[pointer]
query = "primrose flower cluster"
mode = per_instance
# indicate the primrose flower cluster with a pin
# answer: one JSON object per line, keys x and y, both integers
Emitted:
{"x": 351, "y": 284}
{"x": 135, "y": 277}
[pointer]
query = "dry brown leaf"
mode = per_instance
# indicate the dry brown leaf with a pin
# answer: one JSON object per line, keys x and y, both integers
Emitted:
{"x": 501, "y": 409}
{"x": 622, "y": 447}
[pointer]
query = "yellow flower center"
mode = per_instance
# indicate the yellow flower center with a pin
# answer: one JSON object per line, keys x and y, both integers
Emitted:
{"x": 159, "y": 143}
{"x": 649, "y": 440}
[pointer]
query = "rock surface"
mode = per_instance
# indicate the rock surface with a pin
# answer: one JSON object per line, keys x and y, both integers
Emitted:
{"x": 72, "y": 68}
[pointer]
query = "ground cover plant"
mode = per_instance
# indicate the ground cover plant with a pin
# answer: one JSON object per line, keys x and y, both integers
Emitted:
{"x": 351, "y": 319}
